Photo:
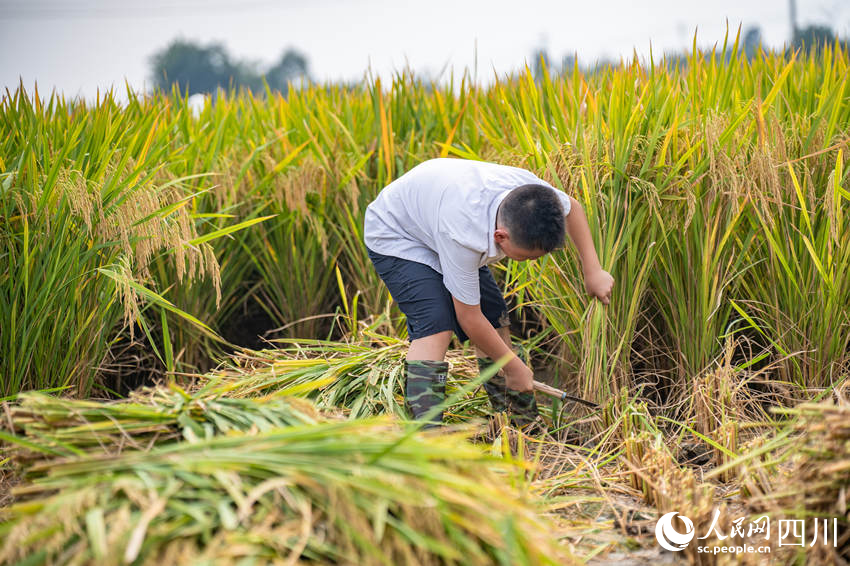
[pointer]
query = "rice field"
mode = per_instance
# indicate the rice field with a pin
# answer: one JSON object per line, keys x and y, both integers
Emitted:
{"x": 144, "y": 246}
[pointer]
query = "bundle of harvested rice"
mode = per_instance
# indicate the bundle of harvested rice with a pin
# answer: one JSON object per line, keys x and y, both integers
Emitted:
{"x": 365, "y": 378}
{"x": 813, "y": 482}
{"x": 345, "y": 492}
{"x": 67, "y": 427}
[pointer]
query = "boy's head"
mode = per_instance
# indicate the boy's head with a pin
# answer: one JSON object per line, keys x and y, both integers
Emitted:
{"x": 529, "y": 223}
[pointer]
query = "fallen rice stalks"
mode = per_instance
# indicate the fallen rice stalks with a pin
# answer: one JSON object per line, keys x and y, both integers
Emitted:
{"x": 348, "y": 492}
{"x": 807, "y": 476}
{"x": 67, "y": 427}
{"x": 364, "y": 378}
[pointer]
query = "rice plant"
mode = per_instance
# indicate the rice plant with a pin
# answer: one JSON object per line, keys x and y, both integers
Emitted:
{"x": 681, "y": 170}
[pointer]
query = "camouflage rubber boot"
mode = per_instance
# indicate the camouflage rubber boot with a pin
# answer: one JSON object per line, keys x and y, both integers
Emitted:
{"x": 521, "y": 406}
{"x": 425, "y": 388}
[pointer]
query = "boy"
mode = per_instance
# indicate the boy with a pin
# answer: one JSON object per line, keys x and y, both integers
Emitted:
{"x": 431, "y": 234}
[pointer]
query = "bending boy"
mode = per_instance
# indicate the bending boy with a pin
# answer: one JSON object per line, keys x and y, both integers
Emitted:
{"x": 431, "y": 234}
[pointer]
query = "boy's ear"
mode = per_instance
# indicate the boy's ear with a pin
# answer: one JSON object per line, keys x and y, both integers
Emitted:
{"x": 501, "y": 235}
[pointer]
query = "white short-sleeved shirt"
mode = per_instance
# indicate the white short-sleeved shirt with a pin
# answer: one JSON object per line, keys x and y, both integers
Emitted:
{"x": 443, "y": 213}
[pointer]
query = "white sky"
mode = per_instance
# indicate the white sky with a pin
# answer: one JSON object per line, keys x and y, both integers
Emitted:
{"x": 78, "y": 46}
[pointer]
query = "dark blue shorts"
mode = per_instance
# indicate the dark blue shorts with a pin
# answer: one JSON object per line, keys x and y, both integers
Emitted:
{"x": 423, "y": 298}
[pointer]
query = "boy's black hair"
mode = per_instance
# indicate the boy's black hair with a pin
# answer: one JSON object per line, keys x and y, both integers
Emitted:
{"x": 534, "y": 217}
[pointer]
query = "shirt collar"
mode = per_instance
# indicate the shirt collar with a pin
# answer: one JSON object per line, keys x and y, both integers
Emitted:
{"x": 493, "y": 251}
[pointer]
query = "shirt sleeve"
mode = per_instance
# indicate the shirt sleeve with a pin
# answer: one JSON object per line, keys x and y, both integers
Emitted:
{"x": 459, "y": 265}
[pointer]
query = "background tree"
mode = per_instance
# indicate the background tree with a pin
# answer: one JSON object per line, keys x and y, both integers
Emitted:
{"x": 814, "y": 36}
{"x": 198, "y": 68}
{"x": 752, "y": 41}
{"x": 291, "y": 67}
{"x": 539, "y": 61}
{"x": 193, "y": 67}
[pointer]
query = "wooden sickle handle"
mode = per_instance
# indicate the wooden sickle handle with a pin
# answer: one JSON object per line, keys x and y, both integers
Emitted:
{"x": 558, "y": 394}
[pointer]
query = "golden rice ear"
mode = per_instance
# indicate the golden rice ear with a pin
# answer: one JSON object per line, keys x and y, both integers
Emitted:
{"x": 139, "y": 223}
{"x": 84, "y": 201}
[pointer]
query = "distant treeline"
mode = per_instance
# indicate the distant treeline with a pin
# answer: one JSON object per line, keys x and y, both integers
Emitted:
{"x": 807, "y": 38}
{"x": 199, "y": 68}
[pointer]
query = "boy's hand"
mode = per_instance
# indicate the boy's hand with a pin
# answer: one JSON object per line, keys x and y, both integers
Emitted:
{"x": 518, "y": 376}
{"x": 598, "y": 283}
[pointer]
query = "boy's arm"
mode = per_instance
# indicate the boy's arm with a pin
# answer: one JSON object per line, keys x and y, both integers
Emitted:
{"x": 460, "y": 276}
{"x": 518, "y": 376}
{"x": 597, "y": 281}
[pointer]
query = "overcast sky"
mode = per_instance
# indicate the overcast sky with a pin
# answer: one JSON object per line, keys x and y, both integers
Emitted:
{"x": 78, "y": 46}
